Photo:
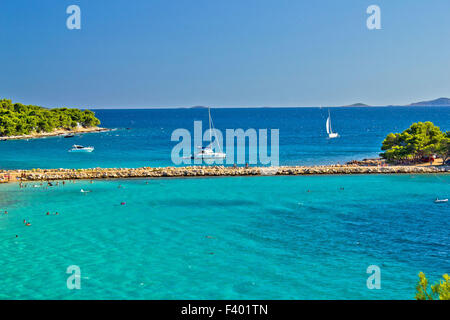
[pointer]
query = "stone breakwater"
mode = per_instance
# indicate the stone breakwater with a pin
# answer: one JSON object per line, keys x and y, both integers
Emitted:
{"x": 208, "y": 171}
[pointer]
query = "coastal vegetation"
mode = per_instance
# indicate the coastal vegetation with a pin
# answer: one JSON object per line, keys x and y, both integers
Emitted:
{"x": 438, "y": 291}
{"x": 420, "y": 141}
{"x": 17, "y": 119}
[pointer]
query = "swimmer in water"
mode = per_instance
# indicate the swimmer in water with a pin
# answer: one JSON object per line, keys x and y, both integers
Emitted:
{"x": 48, "y": 213}
{"x": 6, "y": 212}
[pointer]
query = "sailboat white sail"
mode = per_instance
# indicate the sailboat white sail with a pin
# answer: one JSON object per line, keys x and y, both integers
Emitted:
{"x": 207, "y": 153}
{"x": 330, "y": 132}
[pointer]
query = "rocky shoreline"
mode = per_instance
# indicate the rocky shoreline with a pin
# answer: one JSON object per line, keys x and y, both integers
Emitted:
{"x": 209, "y": 171}
{"x": 59, "y": 132}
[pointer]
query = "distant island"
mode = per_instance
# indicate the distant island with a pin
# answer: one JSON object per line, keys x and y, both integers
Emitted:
{"x": 18, "y": 121}
{"x": 198, "y": 107}
{"x": 359, "y": 104}
{"x": 441, "y": 102}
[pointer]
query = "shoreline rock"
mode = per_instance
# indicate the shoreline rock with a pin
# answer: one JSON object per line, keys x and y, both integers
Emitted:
{"x": 59, "y": 132}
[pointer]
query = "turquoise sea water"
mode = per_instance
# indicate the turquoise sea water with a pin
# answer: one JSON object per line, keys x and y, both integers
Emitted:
{"x": 225, "y": 238}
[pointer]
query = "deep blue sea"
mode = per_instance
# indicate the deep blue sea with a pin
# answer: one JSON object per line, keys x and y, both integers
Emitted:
{"x": 302, "y": 136}
{"x": 299, "y": 237}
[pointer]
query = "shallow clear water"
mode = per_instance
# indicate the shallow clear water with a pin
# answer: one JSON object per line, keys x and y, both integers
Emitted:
{"x": 225, "y": 238}
{"x": 147, "y": 143}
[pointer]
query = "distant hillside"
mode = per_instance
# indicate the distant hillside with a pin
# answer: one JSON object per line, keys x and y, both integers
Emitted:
{"x": 444, "y": 102}
{"x": 359, "y": 104}
{"x": 441, "y": 102}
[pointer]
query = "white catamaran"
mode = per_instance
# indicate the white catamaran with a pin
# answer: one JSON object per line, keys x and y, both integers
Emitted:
{"x": 330, "y": 132}
{"x": 207, "y": 153}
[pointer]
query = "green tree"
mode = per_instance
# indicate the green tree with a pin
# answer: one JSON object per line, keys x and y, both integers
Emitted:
{"x": 419, "y": 140}
{"x": 440, "y": 290}
{"x": 443, "y": 148}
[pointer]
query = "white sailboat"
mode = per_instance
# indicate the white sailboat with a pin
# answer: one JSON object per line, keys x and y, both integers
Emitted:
{"x": 207, "y": 153}
{"x": 330, "y": 132}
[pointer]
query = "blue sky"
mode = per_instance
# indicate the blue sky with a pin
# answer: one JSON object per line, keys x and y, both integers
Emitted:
{"x": 167, "y": 53}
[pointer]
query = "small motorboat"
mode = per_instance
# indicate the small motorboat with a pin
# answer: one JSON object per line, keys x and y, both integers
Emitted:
{"x": 440, "y": 200}
{"x": 78, "y": 148}
{"x": 70, "y": 135}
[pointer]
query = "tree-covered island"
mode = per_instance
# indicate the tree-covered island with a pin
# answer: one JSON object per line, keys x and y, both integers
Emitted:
{"x": 17, "y": 119}
{"x": 420, "y": 142}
